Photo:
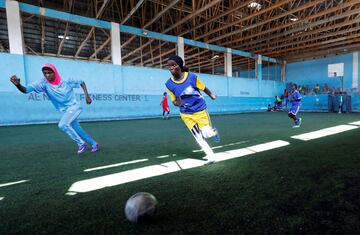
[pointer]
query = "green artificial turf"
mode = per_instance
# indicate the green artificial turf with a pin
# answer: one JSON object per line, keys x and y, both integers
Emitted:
{"x": 305, "y": 187}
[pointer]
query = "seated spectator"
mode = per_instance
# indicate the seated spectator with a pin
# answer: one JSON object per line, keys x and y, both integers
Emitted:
{"x": 277, "y": 103}
{"x": 307, "y": 89}
{"x": 332, "y": 90}
{"x": 326, "y": 88}
{"x": 317, "y": 89}
{"x": 301, "y": 89}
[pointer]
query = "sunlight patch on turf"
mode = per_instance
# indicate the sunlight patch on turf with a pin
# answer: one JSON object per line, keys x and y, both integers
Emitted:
{"x": 223, "y": 156}
{"x": 355, "y": 123}
{"x": 222, "y": 146}
{"x": 189, "y": 163}
{"x": 132, "y": 175}
{"x": 249, "y": 150}
{"x": 116, "y": 165}
{"x": 12, "y": 183}
{"x": 164, "y": 168}
{"x": 268, "y": 146}
{"x": 324, "y": 132}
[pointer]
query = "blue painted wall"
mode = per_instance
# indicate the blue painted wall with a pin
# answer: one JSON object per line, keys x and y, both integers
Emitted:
{"x": 118, "y": 92}
{"x": 318, "y": 103}
{"x": 355, "y": 102}
{"x": 316, "y": 71}
{"x": 268, "y": 72}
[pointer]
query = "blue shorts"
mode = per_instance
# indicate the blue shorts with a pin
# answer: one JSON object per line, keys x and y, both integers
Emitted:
{"x": 294, "y": 109}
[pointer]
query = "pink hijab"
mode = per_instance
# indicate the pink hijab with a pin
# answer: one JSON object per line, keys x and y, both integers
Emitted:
{"x": 57, "y": 76}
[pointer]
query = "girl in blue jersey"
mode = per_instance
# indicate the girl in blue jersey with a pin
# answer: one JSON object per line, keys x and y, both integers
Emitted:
{"x": 184, "y": 90}
{"x": 295, "y": 101}
{"x": 61, "y": 94}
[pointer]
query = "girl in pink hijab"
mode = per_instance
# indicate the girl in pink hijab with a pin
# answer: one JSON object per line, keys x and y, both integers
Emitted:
{"x": 61, "y": 94}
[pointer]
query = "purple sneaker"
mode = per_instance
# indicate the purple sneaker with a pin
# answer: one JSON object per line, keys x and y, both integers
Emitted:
{"x": 95, "y": 148}
{"x": 82, "y": 149}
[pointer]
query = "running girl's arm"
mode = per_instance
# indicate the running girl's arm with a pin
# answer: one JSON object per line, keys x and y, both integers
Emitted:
{"x": 16, "y": 81}
{"x": 209, "y": 93}
{"x": 175, "y": 100}
{"x": 88, "y": 99}
{"x": 201, "y": 86}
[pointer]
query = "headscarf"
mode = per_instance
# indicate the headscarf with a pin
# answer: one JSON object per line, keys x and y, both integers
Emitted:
{"x": 57, "y": 79}
{"x": 179, "y": 62}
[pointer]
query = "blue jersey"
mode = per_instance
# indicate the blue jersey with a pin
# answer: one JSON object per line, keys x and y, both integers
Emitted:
{"x": 295, "y": 98}
{"x": 188, "y": 89}
{"x": 62, "y": 95}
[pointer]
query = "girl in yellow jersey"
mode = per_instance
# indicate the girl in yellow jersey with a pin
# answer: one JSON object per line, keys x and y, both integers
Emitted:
{"x": 184, "y": 90}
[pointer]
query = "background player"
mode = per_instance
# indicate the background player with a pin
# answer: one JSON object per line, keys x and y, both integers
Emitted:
{"x": 165, "y": 106}
{"x": 295, "y": 105}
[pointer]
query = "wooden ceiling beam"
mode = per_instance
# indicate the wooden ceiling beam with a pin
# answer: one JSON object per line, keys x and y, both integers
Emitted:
{"x": 239, "y": 22}
{"x": 305, "y": 6}
{"x": 328, "y": 52}
{"x": 98, "y": 15}
{"x": 166, "y": 9}
{"x": 299, "y": 22}
{"x": 175, "y": 25}
{"x": 313, "y": 40}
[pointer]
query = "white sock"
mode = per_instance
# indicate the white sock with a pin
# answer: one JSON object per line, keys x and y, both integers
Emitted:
{"x": 202, "y": 142}
{"x": 208, "y": 132}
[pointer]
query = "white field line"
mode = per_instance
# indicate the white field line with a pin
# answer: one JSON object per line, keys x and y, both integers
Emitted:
{"x": 115, "y": 165}
{"x": 164, "y": 156}
{"x": 125, "y": 163}
{"x": 12, "y": 183}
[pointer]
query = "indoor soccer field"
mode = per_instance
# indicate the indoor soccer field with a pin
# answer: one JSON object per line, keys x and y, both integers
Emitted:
{"x": 105, "y": 110}
{"x": 270, "y": 177}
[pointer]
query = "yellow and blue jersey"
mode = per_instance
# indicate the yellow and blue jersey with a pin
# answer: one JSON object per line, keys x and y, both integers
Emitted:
{"x": 295, "y": 98}
{"x": 188, "y": 90}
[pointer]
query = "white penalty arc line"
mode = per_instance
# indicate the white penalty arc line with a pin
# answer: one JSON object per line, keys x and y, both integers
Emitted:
{"x": 12, "y": 183}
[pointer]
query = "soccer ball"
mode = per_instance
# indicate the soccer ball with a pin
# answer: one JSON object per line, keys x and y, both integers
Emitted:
{"x": 140, "y": 207}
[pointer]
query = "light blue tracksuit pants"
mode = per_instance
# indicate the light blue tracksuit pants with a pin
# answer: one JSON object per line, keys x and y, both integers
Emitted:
{"x": 70, "y": 125}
